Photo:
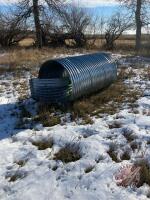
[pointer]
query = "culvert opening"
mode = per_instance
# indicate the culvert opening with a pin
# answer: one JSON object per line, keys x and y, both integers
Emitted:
{"x": 53, "y": 83}
{"x": 53, "y": 70}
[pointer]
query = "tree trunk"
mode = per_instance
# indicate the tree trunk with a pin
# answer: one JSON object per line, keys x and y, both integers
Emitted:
{"x": 138, "y": 24}
{"x": 37, "y": 23}
{"x": 80, "y": 39}
{"x": 109, "y": 41}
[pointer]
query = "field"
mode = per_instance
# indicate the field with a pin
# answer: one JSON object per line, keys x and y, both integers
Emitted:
{"x": 75, "y": 152}
{"x": 26, "y": 54}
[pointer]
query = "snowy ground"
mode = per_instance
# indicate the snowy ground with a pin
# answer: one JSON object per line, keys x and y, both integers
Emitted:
{"x": 27, "y": 173}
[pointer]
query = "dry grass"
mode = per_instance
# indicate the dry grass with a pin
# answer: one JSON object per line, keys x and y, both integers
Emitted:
{"x": 100, "y": 158}
{"x": 47, "y": 115}
{"x": 112, "y": 152}
{"x": 23, "y": 116}
{"x": 144, "y": 172}
{"x": 134, "y": 145}
{"x": 54, "y": 168}
{"x": 89, "y": 169}
{"x": 21, "y": 163}
{"x": 146, "y": 73}
{"x": 22, "y": 89}
{"x": 115, "y": 124}
{"x": 69, "y": 153}
{"x": 109, "y": 100}
{"x": 43, "y": 144}
{"x": 29, "y": 58}
{"x": 121, "y": 44}
{"x": 23, "y": 111}
{"x": 125, "y": 156}
{"x": 148, "y": 194}
{"x": 27, "y": 42}
{"x": 129, "y": 135}
{"x": 15, "y": 177}
{"x": 26, "y": 56}
{"x": 12, "y": 177}
{"x": 124, "y": 45}
{"x": 22, "y": 58}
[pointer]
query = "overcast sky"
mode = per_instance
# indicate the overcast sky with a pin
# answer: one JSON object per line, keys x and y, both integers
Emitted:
{"x": 87, "y": 3}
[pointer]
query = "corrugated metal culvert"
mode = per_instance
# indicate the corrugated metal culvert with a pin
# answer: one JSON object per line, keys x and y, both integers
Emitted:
{"x": 67, "y": 79}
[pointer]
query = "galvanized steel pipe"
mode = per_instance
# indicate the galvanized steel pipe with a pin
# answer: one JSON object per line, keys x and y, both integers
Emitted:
{"x": 69, "y": 78}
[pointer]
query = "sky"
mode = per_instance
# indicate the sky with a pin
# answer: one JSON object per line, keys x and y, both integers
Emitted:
{"x": 100, "y": 7}
{"x": 95, "y": 3}
{"x": 87, "y": 3}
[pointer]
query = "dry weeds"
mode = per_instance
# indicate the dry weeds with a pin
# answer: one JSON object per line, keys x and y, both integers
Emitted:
{"x": 69, "y": 153}
{"x": 89, "y": 169}
{"x": 28, "y": 59}
{"x": 43, "y": 144}
{"x": 144, "y": 172}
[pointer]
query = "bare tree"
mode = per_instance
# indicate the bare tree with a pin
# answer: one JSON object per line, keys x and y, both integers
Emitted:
{"x": 138, "y": 24}
{"x": 11, "y": 29}
{"x": 36, "y": 15}
{"x": 116, "y": 25}
{"x": 139, "y": 8}
{"x": 75, "y": 22}
{"x": 35, "y": 8}
{"x": 101, "y": 27}
{"x": 53, "y": 31}
{"x": 95, "y": 29}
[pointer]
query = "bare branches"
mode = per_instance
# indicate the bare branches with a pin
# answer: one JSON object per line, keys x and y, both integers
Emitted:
{"x": 116, "y": 25}
{"x": 56, "y": 22}
{"x": 75, "y": 21}
{"x": 140, "y": 10}
{"x": 35, "y": 9}
{"x": 11, "y": 29}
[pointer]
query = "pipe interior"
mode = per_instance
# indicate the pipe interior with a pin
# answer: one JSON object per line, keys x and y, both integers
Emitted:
{"x": 53, "y": 69}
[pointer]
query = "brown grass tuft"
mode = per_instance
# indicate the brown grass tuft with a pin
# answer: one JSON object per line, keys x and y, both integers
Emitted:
{"x": 89, "y": 169}
{"x": 47, "y": 115}
{"x": 21, "y": 163}
{"x": 69, "y": 153}
{"x": 125, "y": 156}
{"x": 16, "y": 175}
{"x": 43, "y": 144}
{"x": 128, "y": 134}
{"x": 115, "y": 124}
{"x": 145, "y": 172}
{"x": 112, "y": 152}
